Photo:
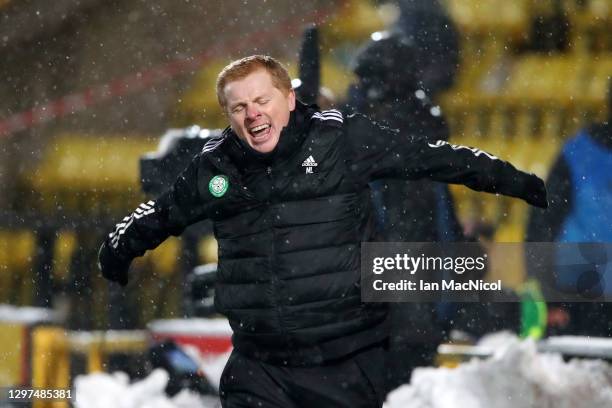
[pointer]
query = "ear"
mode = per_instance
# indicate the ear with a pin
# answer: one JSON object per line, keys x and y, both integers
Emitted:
{"x": 291, "y": 100}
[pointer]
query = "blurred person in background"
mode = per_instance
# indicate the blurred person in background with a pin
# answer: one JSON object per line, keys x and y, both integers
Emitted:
{"x": 389, "y": 90}
{"x": 580, "y": 187}
{"x": 399, "y": 72}
{"x": 435, "y": 41}
{"x": 286, "y": 187}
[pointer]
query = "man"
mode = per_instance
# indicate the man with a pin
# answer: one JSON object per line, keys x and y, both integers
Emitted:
{"x": 287, "y": 189}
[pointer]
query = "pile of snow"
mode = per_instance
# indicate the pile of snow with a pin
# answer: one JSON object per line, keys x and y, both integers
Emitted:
{"x": 500, "y": 340}
{"x": 101, "y": 390}
{"x": 517, "y": 376}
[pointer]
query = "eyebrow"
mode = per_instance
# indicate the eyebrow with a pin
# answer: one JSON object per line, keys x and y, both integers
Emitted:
{"x": 235, "y": 105}
{"x": 242, "y": 103}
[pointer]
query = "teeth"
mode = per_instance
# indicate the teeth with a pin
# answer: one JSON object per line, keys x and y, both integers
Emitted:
{"x": 260, "y": 127}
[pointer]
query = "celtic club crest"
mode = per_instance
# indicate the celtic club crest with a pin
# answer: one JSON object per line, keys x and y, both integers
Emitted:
{"x": 218, "y": 186}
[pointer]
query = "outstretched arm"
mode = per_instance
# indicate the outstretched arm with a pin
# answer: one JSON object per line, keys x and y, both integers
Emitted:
{"x": 379, "y": 152}
{"x": 154, "y": 221}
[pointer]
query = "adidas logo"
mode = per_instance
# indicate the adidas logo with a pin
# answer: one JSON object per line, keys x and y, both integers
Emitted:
{"x": 309, "y": 163}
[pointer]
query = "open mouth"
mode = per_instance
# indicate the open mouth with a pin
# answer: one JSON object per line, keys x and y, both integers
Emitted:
{"x": 260, "y": 130}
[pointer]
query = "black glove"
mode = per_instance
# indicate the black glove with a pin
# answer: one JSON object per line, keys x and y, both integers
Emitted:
{"x": 113, "y": 266}
{"x": 537, "y": 192}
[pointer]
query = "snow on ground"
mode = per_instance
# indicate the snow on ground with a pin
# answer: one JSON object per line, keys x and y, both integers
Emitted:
{"x": 101, "y": 390}
{"x": 515, "y": 377}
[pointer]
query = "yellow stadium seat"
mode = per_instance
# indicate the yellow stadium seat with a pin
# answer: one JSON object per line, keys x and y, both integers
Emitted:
{"x": 208, "y": 250}
{"x": 92, "y": 174}
{"x": 510, "y": 232}
{"x": 491, "y": 206}
{"x": 600, "y": 9}
{"x": 547, "y": 94}
{"x": 560, "y": 78}
{"x": 353, "y": 22}
{"x": 101, "y": 161}
{"x": 199, "y": 102}
{"x": 592, "y": 11}
{"x": 503, "y": 146}
{"x": 65, "y": 245}
{"x": 599, "y": 78}
{"x": 518, "y": 150}
{"x": 17, "y": 252}
{"x": 486, "y": 16}
{"x": 590, "y": 21}
{"x": 336, "y": 77}
{"x": 164, "y": 257}
{"x": 544, "y": 151}
{"x": 21, "y": 248}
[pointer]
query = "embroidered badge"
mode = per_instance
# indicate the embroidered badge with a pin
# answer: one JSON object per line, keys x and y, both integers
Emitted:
{"x": 218, "y": 185}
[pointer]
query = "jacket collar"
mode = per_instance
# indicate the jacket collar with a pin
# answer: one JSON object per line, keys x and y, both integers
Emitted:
{"x": 291, "y": 138}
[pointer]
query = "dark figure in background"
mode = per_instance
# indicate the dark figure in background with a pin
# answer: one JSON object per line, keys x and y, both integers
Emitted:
{"x": 401, "y": 72}
{"x": 580, "y": 184}
{"x": 396, "y": 73}
{"x": 388, "y": 92}
{"x": 406, "y": 211}
{"x": 435, "y": 41}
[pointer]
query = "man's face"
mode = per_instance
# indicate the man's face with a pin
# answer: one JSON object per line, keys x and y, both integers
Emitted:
{"x": 257, "y": 110}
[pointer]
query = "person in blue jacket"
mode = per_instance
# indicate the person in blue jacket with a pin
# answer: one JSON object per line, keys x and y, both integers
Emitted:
{"x": 580, "y": 187}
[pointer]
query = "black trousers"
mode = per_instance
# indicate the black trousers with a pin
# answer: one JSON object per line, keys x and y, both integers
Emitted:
{"x": 356, "y": 381}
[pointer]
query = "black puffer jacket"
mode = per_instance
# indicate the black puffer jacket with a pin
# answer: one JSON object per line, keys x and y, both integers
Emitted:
{"x": 291, "y": 222}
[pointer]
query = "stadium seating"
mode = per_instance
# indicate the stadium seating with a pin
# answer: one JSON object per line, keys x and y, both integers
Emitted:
{"x": 17, "y": 248}
{"x": 522, "y": 105}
